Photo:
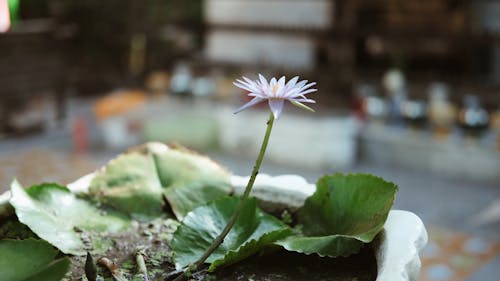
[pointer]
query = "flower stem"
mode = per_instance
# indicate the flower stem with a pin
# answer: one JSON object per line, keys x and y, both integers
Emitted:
{"x": 243, "y": 198}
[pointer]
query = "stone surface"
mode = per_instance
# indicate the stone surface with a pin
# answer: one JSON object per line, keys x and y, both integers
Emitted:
{"x": 419, "y": 150}
{"x": 399, "y": 245}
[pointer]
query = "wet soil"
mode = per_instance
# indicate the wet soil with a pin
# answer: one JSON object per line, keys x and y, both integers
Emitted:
{"x": 287, "y": 266}
{"x": 152, "y": 239}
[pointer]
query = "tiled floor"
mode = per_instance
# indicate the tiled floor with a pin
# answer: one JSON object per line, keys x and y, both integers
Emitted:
{"x": 452, "y": 256}
{"x": 43, "y": 165}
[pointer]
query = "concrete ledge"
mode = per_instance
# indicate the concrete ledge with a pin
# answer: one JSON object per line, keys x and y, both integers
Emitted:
{"x": 297, "y": 140}
{"x": 420, "y": 151}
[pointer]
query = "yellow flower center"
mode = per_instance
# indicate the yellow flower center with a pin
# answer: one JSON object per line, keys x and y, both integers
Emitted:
{"x": 275, "y": 88}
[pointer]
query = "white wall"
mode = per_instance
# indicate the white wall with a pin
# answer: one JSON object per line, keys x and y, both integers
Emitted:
{"x": 281, "y": 13}
{"x": 269, "y": 48}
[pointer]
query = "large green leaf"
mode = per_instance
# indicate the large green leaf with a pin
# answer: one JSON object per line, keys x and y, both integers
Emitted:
{"x": 191, "y": 179}
{"x": 136, "y": 182}
{"x": 252, "y": 231}
{"x": 183, "y": 198}
{"x": 181, "y": 165}
{"x": 130, "y": 184}
{"x": 56, "y": 215}
{"x": 30, "y": 260}
{"x": 344, "y": 212}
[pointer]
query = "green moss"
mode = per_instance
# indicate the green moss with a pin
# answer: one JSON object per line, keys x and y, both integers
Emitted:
{"x": 128, "y": 265}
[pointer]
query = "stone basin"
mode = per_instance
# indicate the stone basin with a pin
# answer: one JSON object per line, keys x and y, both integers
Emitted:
{"x": 396, "y": 248}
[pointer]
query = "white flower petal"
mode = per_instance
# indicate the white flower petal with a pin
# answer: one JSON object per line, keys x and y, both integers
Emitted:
{"x": 258, "y": 95}
{"x": 281, "y": 82}
{"x": 292, "y": 82}
{"x": 276, "y": 106}
{"x": 249, "y": 81}
{"x": 292, "y": 93}
{"x": 273, "y": 82}
{"x": 308, "y": 91}
{"x": 249, "y": 84}
{"x": 300, "y": 84}
{"x": 276, "y": 91}
{"x": 280, "y": 92}
{"x": 263, "y": 81}
{"x": 308, "y": 86}
{"x": 297, "y": 93}
{"x": 244, "y": 86}
{"x": 253, "y": 102}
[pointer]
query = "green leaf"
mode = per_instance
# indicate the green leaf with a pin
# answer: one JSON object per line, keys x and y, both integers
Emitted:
{"x": 56, "y": 215}
{"x": 55, "y": 271}
{"x": 30, "y": 260}
{"x": 136, "y": 182}
{"x": 183, "y": 198}
{"x": 252, "y": 231}
{"x": 344, "y": 212}
{"x": 130, "y": 184}
{"x": 301, "y": 105}
{"x": 191, "y": 179}
{"x": 183, "y": 166}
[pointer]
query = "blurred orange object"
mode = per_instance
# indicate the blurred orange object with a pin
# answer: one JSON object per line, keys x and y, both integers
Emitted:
{"x": 4, "y": 16}
{"x": 119, "y": 102}
{"x": 80, "y": 135}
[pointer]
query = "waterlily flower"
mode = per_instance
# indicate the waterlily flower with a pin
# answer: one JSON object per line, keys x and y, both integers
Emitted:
{"x": 276, "y": 92}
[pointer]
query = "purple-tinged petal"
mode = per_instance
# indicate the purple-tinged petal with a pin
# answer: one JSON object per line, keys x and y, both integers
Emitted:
{"x": 300, "y": 84}
{"x": 250, "y": 81}
{"x": 253, "y": 102}
{"x": 298, "y": 94}
{"x": 257, "y": 95}
{"x": 244, "y": 87}
{"x": 281, "y": 82}
{"x": 256, "y": 84}
{"x": 248, "y": 84}
{"x": 273, "y": 82}
{"x": 263, "y": 81}
{"x": 295, "y": 90}
{"x": 292, "y": 82}
{"x": 276, "y": 91}
{"x": 281, "y": 93}
{"x": 291, "y": 93}
{"x": 276, "y": 106}
{"x": 308, "y": 86}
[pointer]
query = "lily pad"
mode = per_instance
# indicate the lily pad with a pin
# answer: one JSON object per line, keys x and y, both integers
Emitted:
{"x": 30, "y": 259}
{"x": 137, "y": 181}
{"x": 183, "y": 198}
{"x": 252, "y": 231}
{"x": 56, "y": 215}
{"x": 181, "y": 165}
{"x": 345, "y": 212}
{"x": 190, "y": 179}
{"x": 130, "y": 184}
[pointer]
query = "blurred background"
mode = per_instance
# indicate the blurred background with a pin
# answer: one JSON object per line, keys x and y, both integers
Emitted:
{"x": 408, "y": 90}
